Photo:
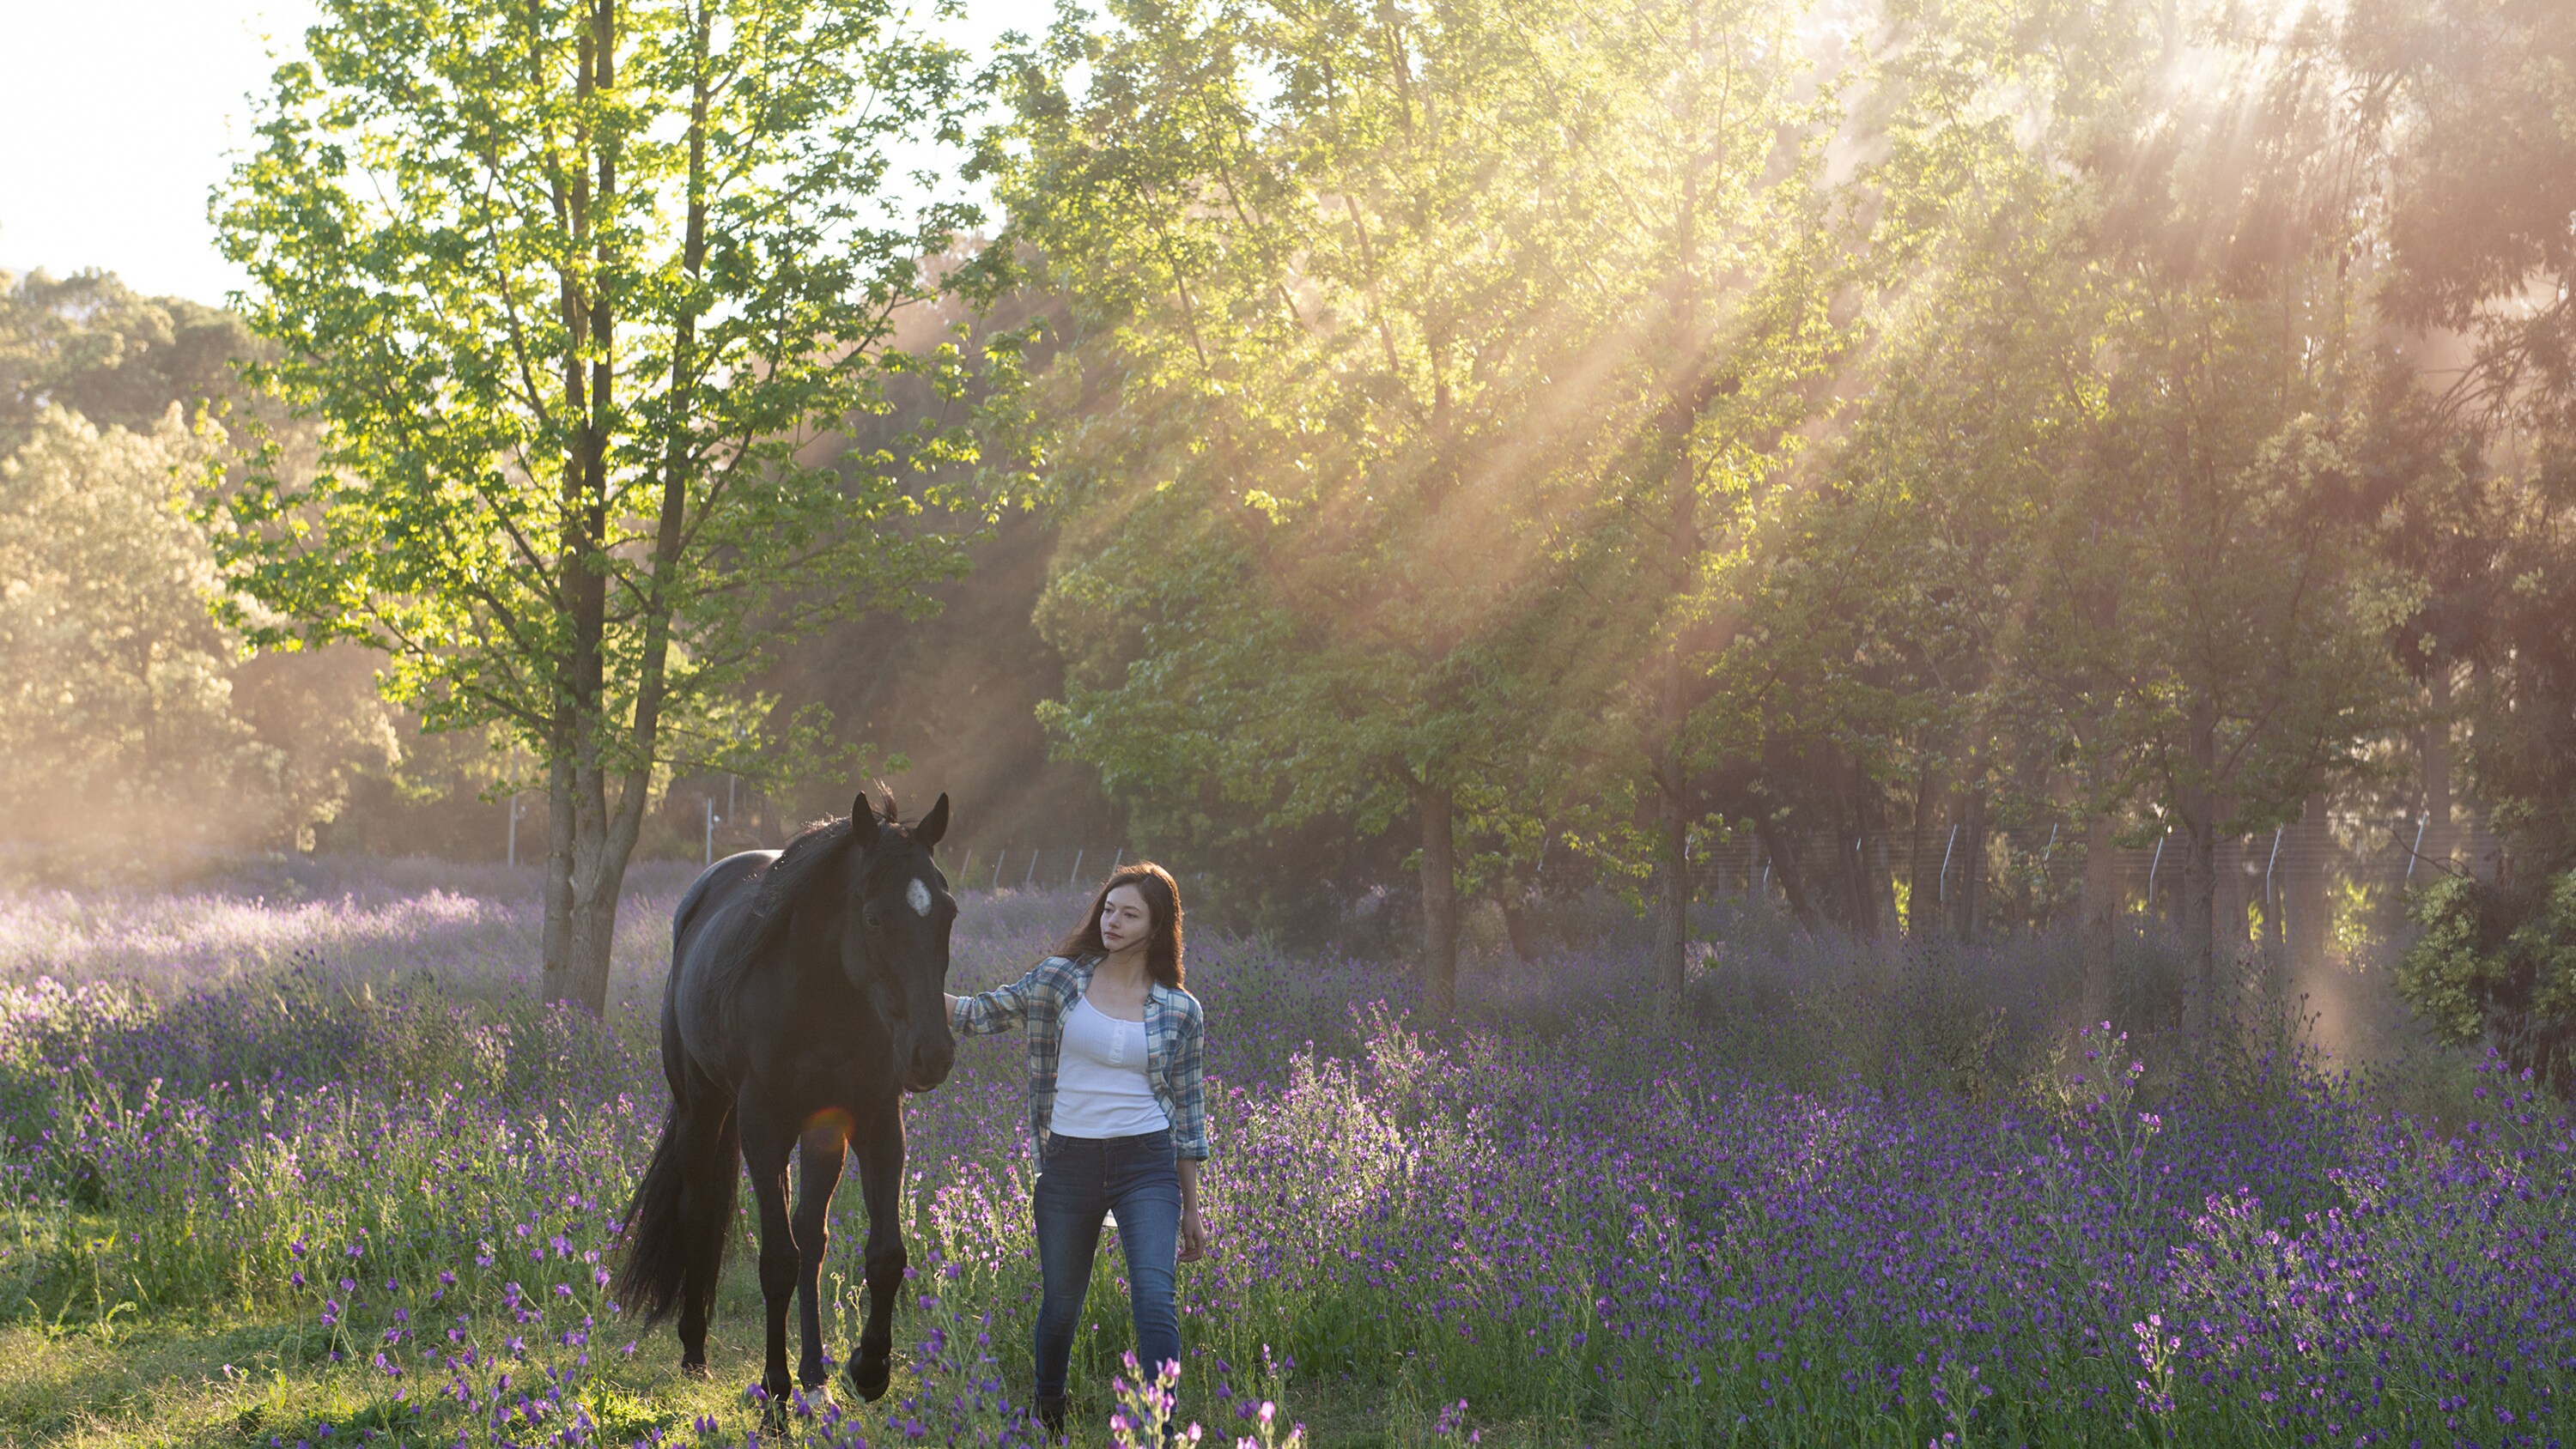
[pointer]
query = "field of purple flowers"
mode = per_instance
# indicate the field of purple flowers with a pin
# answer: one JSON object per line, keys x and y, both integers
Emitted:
{"x": 301, "y": 1163}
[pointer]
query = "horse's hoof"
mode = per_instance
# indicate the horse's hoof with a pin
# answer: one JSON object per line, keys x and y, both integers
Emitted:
{"x": 696, "y": 1370}
{"x": 868, "y": 1380}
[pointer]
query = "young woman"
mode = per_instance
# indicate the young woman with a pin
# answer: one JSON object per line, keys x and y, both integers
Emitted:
{"x": 1115, "y": 1111}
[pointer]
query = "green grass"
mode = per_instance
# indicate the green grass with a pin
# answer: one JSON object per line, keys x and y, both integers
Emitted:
{"x": 198, "y": 1381}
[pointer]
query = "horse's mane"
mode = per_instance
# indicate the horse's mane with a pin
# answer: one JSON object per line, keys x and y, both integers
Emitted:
{"x": 807, "y": 856}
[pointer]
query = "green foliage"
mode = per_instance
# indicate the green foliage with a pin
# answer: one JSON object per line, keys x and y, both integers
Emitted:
{"x": 2097, "y": 532}
{"x": 138, "y": 724}
{"x": 573, "y": 291}
{"x": 89, "y": 344}
{"x": 2470, "y": 100}
{"x": 1606, "y": 428}
{"x": 2450, "y": 971}
{"x": 131, "y": 722}
{"x": 2497, "y": 966}
{"x": 1377, "y": 316}
{"x": 526, "y": 375}
{"x": 117, "y": 671}
{"x": 2481, "y": 145}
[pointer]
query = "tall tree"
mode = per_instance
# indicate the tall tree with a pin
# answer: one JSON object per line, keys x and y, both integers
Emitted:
{"x": 2229, "y": 512}
{"x": 1322, "y": 317}
{"x": 1726, "y": 174}
{"x": 2108, "y": 512}
{"x": 95, "y": 346}
{"x": 571, "y": 288}
{"x": 117, "y": 709}
{"x": 1381, "y": 301}
{"x": 136, "y": 723}
{"x": 2480, "y": 144}
{"x": 1840, "y": 613}
{"x": 2242, "y": 661}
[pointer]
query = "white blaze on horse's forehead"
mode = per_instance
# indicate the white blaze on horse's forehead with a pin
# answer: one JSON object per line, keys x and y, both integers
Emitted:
{"x": 918, "y": 893}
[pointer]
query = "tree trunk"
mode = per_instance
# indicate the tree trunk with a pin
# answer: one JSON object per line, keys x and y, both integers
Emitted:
{"x": 1851, "y": 876}
{"x": 594, "y": 932}
{"x": 588, "y": 848}
{"x": 2310, "y": 904}
{"x": 1968, "y": 910}
{"x": 555, "y": 945}
{"x": 594, "y": 844}
{"x": 2199, "y": 884}
{"x": 2196, "y": 803}
{"x": 2434, "y": 753}
{"x": 2155, "y": 902}
{"x": 2100, "y": 914}
{"x": 2227, "y": 903}
{"x": 1439, "y": 979}
{"x": 1784, "y": 869}
{"x": 1516, "y": 929}
{"x": 1876, "y": 903}
{"x": 2271, "y": 884}
{"x": 1672, "y": 853}
{"x": 1923, "y": 866}
{"x": 586, "y": 871}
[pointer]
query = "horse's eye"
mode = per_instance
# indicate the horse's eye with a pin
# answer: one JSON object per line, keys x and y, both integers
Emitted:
{"x": 875, "y": 922}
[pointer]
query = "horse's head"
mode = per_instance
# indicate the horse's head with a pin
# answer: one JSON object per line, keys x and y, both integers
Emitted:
{"x": 894, "y": 947}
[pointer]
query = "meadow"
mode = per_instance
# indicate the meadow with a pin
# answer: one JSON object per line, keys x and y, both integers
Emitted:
{"x": 294, "y": 1160}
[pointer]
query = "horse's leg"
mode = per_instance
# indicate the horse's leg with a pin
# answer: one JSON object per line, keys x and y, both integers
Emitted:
{"x": 766, "y": 1141}
{"x": 823, "y": 1146}
{"x": 879, "y": 1145}
{"x": 714, "y": 1158}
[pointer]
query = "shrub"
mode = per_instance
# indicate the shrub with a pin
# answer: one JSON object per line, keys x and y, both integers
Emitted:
{"x": 2499, "y": 965}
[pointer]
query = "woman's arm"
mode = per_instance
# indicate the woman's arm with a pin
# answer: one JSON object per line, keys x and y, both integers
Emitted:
{"x": 1186, "y": 1078}
{"x": 1189, "y": 1126}
{"x": 1004, "y": 1007}
{"x": 1194, "y": 1238}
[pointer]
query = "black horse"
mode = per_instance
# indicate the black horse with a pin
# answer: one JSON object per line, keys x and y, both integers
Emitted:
{"x": 804, "y": 1001}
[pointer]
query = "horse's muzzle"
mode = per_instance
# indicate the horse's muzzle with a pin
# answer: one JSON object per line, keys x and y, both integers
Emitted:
{"x": 929, "y": 1065}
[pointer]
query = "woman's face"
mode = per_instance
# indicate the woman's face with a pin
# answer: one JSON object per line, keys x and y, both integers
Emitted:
{"x": 1124, "y": 921}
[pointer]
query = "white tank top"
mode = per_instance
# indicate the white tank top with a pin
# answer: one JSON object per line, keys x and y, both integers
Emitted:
{"x": 1100, "y": 1088}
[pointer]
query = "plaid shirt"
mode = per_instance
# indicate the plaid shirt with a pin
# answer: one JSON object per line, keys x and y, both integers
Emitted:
{"x": 1174, "y": 1030}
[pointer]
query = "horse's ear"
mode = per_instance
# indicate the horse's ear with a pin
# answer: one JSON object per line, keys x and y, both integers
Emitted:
{"x": 933, "y": 825}
{"x": 863, "y": 822}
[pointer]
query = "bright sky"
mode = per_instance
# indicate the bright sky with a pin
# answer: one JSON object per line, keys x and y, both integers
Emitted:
{"x": 118, "y": 116}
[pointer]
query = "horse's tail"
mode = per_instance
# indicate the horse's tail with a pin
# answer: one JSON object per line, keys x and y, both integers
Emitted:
{"x": 674, "y": 1228}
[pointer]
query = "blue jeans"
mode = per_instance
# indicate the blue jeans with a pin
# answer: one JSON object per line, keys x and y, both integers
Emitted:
{"x": 1081, "y": 1179}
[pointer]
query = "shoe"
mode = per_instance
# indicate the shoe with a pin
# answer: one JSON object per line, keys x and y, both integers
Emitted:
{"x": 1051, "y": 1415}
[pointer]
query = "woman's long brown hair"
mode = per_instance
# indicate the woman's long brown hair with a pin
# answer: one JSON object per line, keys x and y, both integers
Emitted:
{"x": 1162, "y": 905}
